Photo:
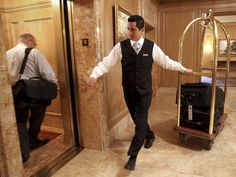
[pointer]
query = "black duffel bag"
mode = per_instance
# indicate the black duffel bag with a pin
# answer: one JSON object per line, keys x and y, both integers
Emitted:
{"x": 35, "y": 88}
{"x": 199, "y": 94}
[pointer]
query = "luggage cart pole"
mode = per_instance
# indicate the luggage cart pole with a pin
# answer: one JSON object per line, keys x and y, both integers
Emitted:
{"x": 214, "y": 70}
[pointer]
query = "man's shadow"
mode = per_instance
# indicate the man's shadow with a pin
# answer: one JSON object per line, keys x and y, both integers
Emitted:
{"x": 123, "y": 173}
{"x": 165, "y": 131}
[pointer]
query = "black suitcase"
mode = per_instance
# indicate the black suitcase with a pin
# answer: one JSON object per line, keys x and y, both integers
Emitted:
{"x": 200, "y": 118}
{"x": 195, "y": 105}
{"x": 199, "y": 94}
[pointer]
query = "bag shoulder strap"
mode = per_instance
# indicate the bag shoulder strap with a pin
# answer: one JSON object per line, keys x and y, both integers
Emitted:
{"x": 27, "y": 51}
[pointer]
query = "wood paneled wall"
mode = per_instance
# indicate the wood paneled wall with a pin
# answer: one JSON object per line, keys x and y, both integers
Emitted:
{"x": 173, "y": 25}
{"x": 16, "y": 4}
{"x": 173, "y": 20}
{"x": 231, "y": 29}
{"x": 149, "y": 10}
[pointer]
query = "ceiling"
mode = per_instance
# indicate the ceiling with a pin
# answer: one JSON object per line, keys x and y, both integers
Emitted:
{"x": 173, "y": 1}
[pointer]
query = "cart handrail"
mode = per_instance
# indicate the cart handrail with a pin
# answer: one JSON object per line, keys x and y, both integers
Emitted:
{"x": 197, "y": 74}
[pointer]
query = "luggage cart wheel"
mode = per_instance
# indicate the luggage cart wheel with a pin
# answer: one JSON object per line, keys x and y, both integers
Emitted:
{"x": 182, "y": 137}
{"x": 209, "y": 144}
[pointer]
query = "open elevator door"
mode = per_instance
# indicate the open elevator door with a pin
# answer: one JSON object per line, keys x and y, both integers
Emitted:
{"x": 51, "y": 24}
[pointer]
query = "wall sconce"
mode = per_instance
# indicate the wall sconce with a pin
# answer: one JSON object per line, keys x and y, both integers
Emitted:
{"x": 98, "y": 30}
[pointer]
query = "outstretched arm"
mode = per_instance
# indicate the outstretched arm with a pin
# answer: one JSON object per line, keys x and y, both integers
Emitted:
{"x": 189, "y": 71}
{"x": 163, "y": 60}
{"x": 104, "y": 65}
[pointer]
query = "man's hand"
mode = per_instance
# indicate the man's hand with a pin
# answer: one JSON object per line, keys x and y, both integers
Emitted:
{"x": 91, "y": 81}
{"x": 189, "y": 71}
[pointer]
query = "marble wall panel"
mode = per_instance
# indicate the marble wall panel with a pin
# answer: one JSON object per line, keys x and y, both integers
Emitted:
{"x": 9, "y": 143}
{"x": 92, "y": 107}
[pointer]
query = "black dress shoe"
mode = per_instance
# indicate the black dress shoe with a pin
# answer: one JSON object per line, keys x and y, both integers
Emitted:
{"x": 38, "y": 143}
{"x": 130, "y": 165}
{"x": 148, "y": 143}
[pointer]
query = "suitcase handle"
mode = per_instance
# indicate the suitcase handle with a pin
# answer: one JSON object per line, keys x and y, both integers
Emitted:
{"x": 189, "y": 97}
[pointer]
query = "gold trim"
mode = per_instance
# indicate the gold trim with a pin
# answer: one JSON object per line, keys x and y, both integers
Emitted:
{"x": 198, "y": 74}
{"x": 74, "y": 68}
{"x": 74, "y": 71}
{"x": 63, "y": 73}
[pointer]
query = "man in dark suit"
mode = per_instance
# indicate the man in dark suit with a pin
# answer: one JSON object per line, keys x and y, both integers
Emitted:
{"x": 137, "y": 56}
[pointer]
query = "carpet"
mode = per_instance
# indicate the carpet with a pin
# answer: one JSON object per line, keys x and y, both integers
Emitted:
{"x": 48, "y": 135}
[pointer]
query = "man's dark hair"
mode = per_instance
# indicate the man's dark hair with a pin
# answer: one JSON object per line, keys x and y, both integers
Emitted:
{"x": 138, "y": 19}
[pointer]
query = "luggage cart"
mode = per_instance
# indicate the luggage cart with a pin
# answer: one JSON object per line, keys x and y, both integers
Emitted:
{"x": 213, "y": 25}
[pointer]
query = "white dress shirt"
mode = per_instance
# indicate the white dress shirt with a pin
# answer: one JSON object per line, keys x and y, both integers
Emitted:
{"x": 116, "y": 55}
{"x": 36, "y": 65}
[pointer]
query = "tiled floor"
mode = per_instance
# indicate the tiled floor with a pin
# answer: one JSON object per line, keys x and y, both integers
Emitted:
{"x": 168, "y": 157}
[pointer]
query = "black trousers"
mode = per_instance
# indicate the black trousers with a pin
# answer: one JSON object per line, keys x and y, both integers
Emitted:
{"x": 138, "y": 106}
{"x": 34, "y": 112}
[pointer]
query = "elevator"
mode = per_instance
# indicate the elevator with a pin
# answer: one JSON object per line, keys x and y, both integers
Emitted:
{"x": 51, "y": 24}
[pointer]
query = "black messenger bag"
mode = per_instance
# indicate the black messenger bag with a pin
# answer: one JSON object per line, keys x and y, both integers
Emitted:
{"x": 35, "y": 88}
{"x": 39, "y": 89}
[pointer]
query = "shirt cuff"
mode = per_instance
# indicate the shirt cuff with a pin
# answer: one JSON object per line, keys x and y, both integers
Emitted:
{"x": 93, "y": 75}
{"x": 183, "y": 69}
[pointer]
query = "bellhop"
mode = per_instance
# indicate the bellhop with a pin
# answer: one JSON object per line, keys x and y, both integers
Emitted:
{"x": 137, "y": 56}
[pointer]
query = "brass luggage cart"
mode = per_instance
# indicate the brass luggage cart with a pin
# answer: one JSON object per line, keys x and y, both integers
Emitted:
{"x": 212, "y": 24}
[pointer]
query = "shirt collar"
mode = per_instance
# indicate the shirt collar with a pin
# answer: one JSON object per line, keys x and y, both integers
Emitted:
{"x": 140, "y": 41}
{"x": 20, "y": 44}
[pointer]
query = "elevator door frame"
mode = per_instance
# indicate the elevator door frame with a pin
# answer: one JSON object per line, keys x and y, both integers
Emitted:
{"x": 69, "y": 67}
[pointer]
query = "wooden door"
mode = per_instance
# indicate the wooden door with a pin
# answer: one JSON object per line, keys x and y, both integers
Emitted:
{"x": 173, "y": 24}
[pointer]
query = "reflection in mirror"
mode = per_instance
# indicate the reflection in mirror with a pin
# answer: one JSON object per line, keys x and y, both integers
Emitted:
{"x": 229, "y": 21}
{"x": 42, "y": 19}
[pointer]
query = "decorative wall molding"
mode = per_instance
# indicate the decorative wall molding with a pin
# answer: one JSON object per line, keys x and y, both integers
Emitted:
{"x": 26, "y": 7}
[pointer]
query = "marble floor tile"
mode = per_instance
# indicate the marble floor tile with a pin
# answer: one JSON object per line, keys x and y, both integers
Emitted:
{"x": 168, "y": 157}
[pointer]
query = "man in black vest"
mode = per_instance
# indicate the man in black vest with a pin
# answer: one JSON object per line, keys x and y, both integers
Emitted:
{"x": 137, "y": 56}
